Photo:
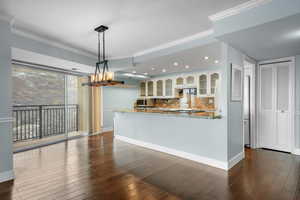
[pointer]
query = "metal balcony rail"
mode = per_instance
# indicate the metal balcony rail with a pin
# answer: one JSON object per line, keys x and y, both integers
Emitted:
{"x": 39, "y": 121}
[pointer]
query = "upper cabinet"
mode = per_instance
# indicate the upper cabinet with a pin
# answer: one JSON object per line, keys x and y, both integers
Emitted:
{"x": 150, "y": 88}
{"x": 179, "y": 81}
{"x": 159, "y": 88}
{"x": 214, "y": 77}
{"x": 142, "y": 89}
{"x": 190, "y": 80}
{"x": 203, "y": 85}
{"x": 169, "y": 87}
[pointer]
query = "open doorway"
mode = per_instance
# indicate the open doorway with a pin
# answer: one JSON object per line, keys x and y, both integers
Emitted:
{"x": 249, "y": 105}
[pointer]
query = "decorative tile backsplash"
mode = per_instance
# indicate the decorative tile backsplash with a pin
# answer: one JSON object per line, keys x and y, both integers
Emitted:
{"x": 205, "y": 103}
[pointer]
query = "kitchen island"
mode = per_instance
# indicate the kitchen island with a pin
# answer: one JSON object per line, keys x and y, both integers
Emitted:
{"x": 188, "y": 135}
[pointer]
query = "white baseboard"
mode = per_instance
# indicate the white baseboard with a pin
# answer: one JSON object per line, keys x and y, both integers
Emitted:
{"x": 7, "y": 176}
{"x": 296, "y": 152}
{"x": 236, "y": 159}
{"x": 203, "y": 160}
{"x": 106, "y": 129}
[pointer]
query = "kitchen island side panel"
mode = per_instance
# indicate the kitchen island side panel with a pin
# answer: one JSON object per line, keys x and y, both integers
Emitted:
{"x": 201, "y": 137}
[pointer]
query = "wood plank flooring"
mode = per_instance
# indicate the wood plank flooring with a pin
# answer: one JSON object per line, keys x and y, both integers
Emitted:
{"x": 99, "y": 167}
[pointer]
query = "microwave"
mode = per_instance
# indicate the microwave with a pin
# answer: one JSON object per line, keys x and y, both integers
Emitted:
{"x": 144, "y": 102}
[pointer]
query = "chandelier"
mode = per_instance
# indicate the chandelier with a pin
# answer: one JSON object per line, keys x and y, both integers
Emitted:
{"x": 102, "y": 77}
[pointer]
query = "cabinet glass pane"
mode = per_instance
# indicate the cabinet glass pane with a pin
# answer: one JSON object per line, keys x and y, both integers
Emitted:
{"x": 266, "y": 88}
{"x": 169, "y": 87}
{"x": 179, "y": 81}
{"x": 159, "y": 88}
{"x": 202, "y": 84}
{"x": 283, "y": 88}
{"x": 213, "y": 80}
{"x": 150, "y": 88}
{"x": 143, "y": 89}
{"x": 190, "y": 80}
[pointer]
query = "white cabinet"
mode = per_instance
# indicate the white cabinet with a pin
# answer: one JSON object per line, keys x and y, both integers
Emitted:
{"x": 143, "y": 89}
{"x": 204, "y": 82}
{"x": 159, "y": 88}
{"x": 150, "y": 88}
{"x": 203, "y": 85}
{"x": 214, "y": 77}
{"x": 169, "y": 88}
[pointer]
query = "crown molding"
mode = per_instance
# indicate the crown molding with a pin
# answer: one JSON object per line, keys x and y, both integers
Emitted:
{"x": 175, "y": 42}
{"x": 238, "y": 9}
{"x": 54, "y": 43}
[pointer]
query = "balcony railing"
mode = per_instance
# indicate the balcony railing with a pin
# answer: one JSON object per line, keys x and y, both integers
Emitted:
{"x": 39, "y": 121}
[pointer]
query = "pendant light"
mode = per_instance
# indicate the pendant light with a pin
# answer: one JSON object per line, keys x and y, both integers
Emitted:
{"x": 102, "y": 77}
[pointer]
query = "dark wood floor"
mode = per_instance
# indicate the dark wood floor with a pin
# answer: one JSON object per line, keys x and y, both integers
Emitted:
{"x": 98, "y": 167}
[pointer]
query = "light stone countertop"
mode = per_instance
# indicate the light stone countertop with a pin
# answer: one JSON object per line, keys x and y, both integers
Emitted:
{"x": 201, "y": 115}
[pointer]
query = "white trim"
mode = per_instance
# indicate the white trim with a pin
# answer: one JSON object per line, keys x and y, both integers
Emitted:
{"x": 204, "y": 160}
{"x": 6, "y": 119}
{"x": 176, "y": 42}
{"x": 51, "y": 42}
{"x": 238, "y": 9}
{"x": 296, "y": 151}
{"x": 236, "y": 159}
{"x": 107, "y": 129}
{"x": 7, "y": 176}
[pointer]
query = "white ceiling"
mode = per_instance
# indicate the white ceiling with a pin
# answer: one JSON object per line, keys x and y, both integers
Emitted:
{"x": 135, "y": 25}
{"x": 275, "y": 39}
{"x": 194, "y": 58}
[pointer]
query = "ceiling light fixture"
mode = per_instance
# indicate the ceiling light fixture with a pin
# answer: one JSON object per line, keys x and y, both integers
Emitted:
{"x": 104, "y": 77}
{"x": 153, "y": 68}
{"x": 175, "y": 63}
{"x": 206, "y": 57}
{"x": 216, "y": 61}
{"x": 146, "y": 73}
{"x": 187, "y": 66}
{"x": 164, "y": 70}
{"x": 134, "y": 71}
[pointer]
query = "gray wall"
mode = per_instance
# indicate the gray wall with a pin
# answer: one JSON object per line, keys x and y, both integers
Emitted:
{"x": 115, "y": 98}
{"x": 6, "y": 161}
{"x": 235, "y": 109}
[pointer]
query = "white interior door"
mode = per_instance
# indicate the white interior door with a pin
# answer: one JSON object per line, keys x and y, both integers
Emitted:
{"x": 275, "y": 123}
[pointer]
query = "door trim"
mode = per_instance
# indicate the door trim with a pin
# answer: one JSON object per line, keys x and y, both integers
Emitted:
{"x": 292, "y": 99}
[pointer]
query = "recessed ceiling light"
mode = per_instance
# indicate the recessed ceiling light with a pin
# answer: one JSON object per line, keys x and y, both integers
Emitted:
{"x": 206, "y": 57}
{"x": 134, "y": 71}
{"x": 216, "y": 61}
{"x": 164, "y": 70}
{"x": 187, "y": 66}
{"x": 175, "y": 63}
{"x": 145, "y": 73}
{"x": 153, "y": 68}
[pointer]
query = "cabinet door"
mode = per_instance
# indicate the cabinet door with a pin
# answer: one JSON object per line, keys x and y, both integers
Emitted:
{"x": 142, "y": 89}
{"x": 150, "y": 88}
{"x": 169, "y": 87}
{"x": 159, "y": 88}
{"x": 179, "y": 81}
{"x": 213, "y": 83}
{"x": 190, "y": 80}
{"x": 203, "y": 85}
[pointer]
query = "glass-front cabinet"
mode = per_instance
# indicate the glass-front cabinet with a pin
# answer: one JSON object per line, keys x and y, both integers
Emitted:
{"x": 206, "y": 84}
{"x": 169, "y": 87}
{"x": 214, "y": 77}
{"x": 150, "y": 88}
{"x": 190, "y": 80}
{"x": 179, "y": 81}
{"x": 203, "y": 85}
{"x": 159, "y": 88}
{"x": 142, "y": 89}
